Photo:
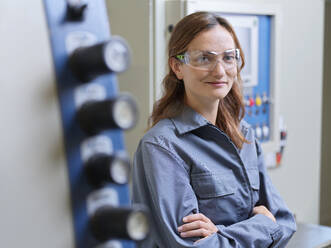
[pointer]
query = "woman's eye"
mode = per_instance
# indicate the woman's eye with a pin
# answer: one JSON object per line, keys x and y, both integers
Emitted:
{"x": 229, "y": 58}
{"x": 203, "y": 59}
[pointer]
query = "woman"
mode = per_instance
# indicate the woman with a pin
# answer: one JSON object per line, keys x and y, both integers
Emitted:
{"x": 199, "y": 168}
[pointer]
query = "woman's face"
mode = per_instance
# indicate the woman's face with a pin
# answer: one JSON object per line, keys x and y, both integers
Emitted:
{"x": 203, "y": 86}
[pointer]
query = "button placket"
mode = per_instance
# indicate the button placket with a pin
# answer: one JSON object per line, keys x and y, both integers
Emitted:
{"x": 236, "y": 151}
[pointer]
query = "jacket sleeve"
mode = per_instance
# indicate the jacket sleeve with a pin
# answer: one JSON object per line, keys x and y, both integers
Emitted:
{"x": 270, "y": 198}
{"x": 161, "y": 181}
{"x": 244, "y": 233}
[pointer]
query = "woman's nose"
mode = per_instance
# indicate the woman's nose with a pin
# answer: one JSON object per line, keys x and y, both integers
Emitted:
{"x": 218, "y": 70}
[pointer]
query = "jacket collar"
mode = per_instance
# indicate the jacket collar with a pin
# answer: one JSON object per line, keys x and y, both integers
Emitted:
{"x": 188, "y": 120}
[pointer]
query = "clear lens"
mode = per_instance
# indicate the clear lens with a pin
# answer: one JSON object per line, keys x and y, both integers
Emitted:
{"x": 207, "y": 60}
{"x": 199, "y": 58}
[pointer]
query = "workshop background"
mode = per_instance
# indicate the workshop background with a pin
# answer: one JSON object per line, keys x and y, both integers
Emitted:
{"x": 35, "y": 208}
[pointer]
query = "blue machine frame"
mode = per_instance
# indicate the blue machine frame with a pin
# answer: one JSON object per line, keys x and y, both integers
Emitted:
{"x": 94, "y": 28}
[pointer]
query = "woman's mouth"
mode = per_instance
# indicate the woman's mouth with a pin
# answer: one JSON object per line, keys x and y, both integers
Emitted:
{"x": 217, "y": 83}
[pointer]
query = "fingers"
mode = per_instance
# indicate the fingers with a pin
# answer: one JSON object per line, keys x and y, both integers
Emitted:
{"x": 197, "y": 225}
{"x": 263, "y": 210}
{"x": 259, "y": 209}
{"x": 194, "y": 217}
{"x": 196, "y": 233}
{"x": 193, "y": 225}
{"x": 201, "y": 232}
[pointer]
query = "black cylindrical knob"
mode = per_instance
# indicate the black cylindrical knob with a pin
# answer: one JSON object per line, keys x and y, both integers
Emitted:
{"x": 89, "y": 62}
{"x": 120, "y": 112}
{"x": 105, "y": 168}
{"x": 126, "y": 223}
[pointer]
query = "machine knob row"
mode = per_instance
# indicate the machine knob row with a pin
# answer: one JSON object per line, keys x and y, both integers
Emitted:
{"x": 107, "y": 220}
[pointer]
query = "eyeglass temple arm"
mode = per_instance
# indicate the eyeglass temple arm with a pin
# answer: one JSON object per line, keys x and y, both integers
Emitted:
{"x": 180, "y": 57}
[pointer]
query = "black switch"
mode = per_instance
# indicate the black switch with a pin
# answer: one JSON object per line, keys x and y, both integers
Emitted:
{"x": 76, "y": 9}
{"x": 125, "y": 223}
{"x": 89, "y": 62}
{"x": 120, "y": 112}
{"x": 104, "y": 168}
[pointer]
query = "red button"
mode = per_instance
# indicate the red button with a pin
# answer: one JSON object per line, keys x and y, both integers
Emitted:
{"x": 251, "y": 102}
{"x": 278, "y": 158}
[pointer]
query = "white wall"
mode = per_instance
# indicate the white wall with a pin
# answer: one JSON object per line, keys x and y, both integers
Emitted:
{"x": 35, "y": 204}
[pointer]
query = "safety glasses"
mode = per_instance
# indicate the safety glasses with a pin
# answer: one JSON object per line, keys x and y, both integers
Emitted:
{"x": 207, "y": 60}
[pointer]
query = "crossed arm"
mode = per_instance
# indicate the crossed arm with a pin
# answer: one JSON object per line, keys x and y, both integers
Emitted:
{"x": 161, "y": 181}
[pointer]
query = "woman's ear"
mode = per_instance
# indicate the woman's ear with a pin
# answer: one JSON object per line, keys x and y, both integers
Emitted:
{"x": 176, "y": 67}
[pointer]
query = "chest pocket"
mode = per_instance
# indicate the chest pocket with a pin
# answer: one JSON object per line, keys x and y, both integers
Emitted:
{"x": 208, "y": 185}
{"x": 217, "y": 196}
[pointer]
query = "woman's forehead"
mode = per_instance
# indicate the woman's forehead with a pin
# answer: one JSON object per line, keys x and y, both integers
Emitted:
{"x": 216, "y": 39}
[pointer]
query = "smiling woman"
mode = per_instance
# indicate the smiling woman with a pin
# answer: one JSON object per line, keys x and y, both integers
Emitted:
{"x": 207, "y": 80}
{"x": 199, "y": 168}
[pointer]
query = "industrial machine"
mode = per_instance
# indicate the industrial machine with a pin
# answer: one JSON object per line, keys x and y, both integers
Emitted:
{"x": 86, "y": 59}
{"x": 47, "y": 188}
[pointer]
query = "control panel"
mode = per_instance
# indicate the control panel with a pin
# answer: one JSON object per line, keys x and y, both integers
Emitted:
{"x": 256, "y": 89}
{"x": 94, "y": 115}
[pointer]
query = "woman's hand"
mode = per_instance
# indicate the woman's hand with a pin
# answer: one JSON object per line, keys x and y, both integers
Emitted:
{"x": 263, "y": 210}
{"x": 197, "y": 225}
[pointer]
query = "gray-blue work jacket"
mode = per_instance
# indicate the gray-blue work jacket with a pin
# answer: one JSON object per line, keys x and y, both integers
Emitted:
{"x": 186, "y": 165}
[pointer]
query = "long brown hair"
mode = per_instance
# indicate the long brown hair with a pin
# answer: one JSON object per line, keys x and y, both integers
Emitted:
{"x": 231, "y": 108}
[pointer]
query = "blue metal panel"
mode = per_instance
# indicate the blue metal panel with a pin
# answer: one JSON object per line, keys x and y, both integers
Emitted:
{"x": 258, "y": 116}
{"x": 95, "y": 22}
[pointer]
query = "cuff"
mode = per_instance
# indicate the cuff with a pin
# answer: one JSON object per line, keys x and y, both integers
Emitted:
{"x": 272, "y": 227}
